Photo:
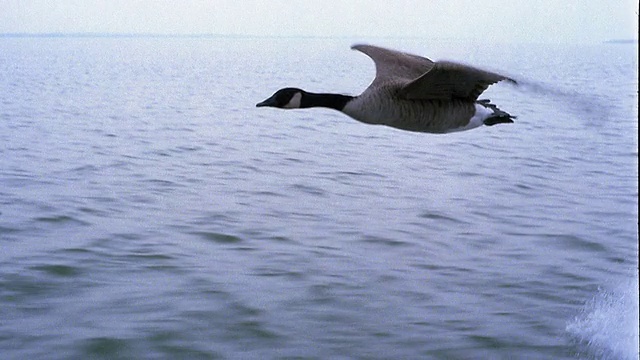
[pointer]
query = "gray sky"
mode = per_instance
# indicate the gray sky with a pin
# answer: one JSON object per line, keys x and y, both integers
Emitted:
{"x": 491, "y": 20}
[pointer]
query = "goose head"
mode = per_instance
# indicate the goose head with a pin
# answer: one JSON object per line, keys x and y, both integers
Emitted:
{"x": 287, "y": 98}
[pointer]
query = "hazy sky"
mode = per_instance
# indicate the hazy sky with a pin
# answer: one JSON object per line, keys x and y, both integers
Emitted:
{"x": 493, "y": 20}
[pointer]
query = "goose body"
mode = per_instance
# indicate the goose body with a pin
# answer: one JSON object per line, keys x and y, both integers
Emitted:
{"x": 410, "y": 93}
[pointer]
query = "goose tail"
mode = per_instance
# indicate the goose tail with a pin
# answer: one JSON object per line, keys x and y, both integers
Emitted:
{"x": 498, "y": 116}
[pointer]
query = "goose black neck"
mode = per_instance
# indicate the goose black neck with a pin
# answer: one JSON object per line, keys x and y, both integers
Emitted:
{"x": 333, "y": 101}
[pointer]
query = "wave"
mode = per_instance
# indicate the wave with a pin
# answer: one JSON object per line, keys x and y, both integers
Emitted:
{"x": 607, "y": 327}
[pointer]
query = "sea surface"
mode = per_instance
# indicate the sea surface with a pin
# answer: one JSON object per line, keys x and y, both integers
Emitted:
{"x": 148, "y": 209}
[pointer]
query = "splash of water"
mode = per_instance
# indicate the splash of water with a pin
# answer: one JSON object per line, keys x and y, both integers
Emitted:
{"x": 607, "y": 327}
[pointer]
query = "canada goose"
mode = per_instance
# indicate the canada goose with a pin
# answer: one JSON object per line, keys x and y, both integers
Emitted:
{"x": 411, "y": 93}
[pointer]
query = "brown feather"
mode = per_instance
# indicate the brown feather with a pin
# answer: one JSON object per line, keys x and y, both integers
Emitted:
{"x": 448, "y": 80}
{"x": 395, "y": 66}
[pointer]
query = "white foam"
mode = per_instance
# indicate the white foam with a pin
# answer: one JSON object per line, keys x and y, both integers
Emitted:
{"x": 608, "y": 324}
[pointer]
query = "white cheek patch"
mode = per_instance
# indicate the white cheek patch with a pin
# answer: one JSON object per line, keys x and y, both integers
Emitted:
{"x": 295, "y": 101}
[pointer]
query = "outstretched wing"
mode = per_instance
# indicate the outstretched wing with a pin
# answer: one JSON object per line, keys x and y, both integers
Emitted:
{"x": 448, "y": 80}
{"x": 394, "y": 65}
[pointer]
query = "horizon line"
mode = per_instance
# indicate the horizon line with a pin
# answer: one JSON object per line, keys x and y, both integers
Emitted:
{"x": 219, "y": 35}
{"x": 110, "y": 34}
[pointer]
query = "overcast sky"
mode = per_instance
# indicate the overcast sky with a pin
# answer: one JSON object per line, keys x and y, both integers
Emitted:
{"x": 491, "y": 20}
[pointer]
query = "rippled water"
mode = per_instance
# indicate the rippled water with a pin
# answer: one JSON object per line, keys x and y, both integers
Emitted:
{"x": 149, "y": 210}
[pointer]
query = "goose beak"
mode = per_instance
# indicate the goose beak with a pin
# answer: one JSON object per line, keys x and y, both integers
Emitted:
{"x": 269, "y": 102}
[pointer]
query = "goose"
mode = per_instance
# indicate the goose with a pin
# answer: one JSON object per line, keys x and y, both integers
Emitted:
{"x": 410, "y": 92}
